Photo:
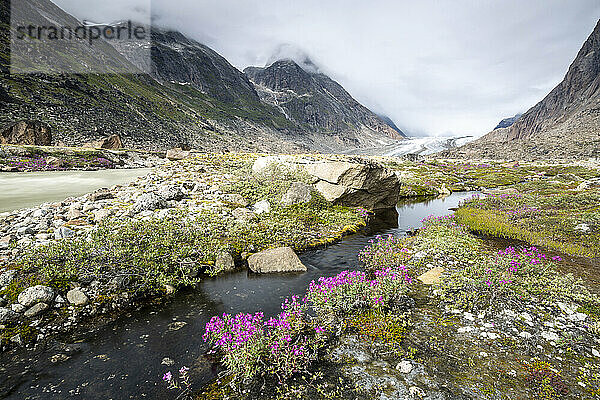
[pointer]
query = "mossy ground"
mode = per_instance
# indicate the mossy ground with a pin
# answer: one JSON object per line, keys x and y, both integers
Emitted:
{"x": 552, "y": 214}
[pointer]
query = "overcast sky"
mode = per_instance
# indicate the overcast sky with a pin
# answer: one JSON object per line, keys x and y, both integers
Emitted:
{"x": 435, "y": 67}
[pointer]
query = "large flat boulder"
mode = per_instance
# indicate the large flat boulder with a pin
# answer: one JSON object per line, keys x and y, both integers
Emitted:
{"x": 353, "y": 182}
{"x": 26, "y": 132}
{"x": 282, "y": 259}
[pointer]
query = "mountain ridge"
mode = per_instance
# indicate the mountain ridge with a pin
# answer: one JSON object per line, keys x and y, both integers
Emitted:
{"x": 565, "y": 124}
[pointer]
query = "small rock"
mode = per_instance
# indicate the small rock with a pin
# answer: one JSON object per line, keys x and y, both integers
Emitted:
{"x": 432, "y": 276}
{"x": 25, "y": 230}
{"x": 262, "y": 207}
{"x": 101, "y": 194}
{"x": 77, "y": 297}
{"x": 74, "y": 213}
{"x": 405, "y": 367}
{"x": 595, "y": 353}
{"x": 578, "y": 317}
{"x": 101, "y": 214}
{"x": 59, "y": 358}
{"x": 224, "y": 262}
{"x": 36, "y": 310}
{"x": 177, "y": 325}
{"x": 167, "y": 361}
{"x": 63, "y": 232}
{"x": 468, "y": 316}
{"x": 170, "y": 289}
{"x": 149, "y": 202}
{"x": 36, "y": 294}
{"x": 171, "y": 192}
{"x": 525, "y": 335}
{"x": 465, "y": 329}
{"x": 550, "y": 336}
{"x": 18, "y": 308}
{"x": 567, "y": 308}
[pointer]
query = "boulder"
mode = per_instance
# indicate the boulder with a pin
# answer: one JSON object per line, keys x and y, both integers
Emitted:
{"x": 36, "y": 294}
{"x": 77, "y": 297}
{"x": 282, "y": 259}
{"x": 352, "y": 182}
{"x": 177, "y": 154}
{"x": 224, "y": 262}
{"x": 298, "y": 193}
{"x": 149, "y": 202}
{"x": 55, "y": 162}
{"x": 171, "y": 192}
{"x": 26, "y": 132}
{"x": 113, "y": 142}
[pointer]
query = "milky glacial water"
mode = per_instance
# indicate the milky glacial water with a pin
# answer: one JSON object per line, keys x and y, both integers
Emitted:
{"x": 27, "y": 189}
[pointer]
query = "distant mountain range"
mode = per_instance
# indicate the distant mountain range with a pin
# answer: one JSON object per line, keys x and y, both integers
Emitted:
{"x": 565, "y": 124}
{"x": 192, "y": 97}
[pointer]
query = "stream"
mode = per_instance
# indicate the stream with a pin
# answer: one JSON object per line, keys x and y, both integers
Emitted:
{"x": 123, "y": 358}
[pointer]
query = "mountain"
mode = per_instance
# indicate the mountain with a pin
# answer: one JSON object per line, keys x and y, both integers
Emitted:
{"x": 565, "y": 124}
{"x": 317, "y": 104}
{"x": 191, "y": 96}
{"x": 506, "y": 122}
{"x": 392, "y": 124}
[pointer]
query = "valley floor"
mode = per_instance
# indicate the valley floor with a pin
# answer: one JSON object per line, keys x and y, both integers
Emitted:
{"x": 442, "y": 314}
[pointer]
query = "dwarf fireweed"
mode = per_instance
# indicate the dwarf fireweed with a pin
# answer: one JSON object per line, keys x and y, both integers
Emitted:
{"x": 289, "y": 342}
{"x": 384, "y": 252}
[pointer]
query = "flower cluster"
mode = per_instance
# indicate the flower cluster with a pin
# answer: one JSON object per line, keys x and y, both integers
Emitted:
{"x": 511, "y": 263}
{"x": 383, "y": 252}
{"x": 289, "y": 342}
{"x": 280, "y": 343}
{"x": 183, "y": 383}
{"x": 336, "y": 297}
{"x": 362, "y": 212}
{"x": 38, "y": 163}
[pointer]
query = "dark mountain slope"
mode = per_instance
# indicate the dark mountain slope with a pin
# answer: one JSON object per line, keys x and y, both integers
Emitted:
{"x": 317, "y": 103}
{"x": 565, "y": 124}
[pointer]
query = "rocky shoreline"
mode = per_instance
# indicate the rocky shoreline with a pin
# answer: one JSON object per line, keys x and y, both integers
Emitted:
{"x": 15, "y": 158}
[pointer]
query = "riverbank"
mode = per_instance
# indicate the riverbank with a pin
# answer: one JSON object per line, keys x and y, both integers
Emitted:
{"x": 15, "y": 158}
{"x": 91, "y": 255}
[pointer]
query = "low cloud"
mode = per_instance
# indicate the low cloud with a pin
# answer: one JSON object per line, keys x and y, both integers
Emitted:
{"x": 436, "y": 68}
